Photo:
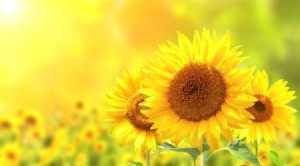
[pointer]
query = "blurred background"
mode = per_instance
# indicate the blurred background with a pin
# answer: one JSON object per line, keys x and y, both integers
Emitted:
{"x": 58, "y": 59}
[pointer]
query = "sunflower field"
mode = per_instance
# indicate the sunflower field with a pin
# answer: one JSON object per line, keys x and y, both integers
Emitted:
{"x": 149, "y": 83}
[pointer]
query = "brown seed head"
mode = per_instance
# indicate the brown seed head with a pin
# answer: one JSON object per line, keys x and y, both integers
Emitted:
{"x": 134, "y": 114}
{"x": 262, "y": 110}
{"x": 197, "y": 92}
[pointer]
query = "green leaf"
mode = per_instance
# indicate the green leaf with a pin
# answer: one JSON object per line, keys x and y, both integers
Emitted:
{"x": 275, "y": 158}
{"x": 241, "y": 151}
{"x": 135, "y": 163}
{"x": 193, "y": 152}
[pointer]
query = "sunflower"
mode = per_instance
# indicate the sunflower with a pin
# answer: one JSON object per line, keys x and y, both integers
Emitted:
{"x": 270, "y": 110}
{"x": 100, "y": 147}
{"x": 195, "y": 89}
{"x": 89, "y": 133}
{"x": 125, "y": 111}
{"x": 262, "y": 158}
{"x": 81, "y": 159}
{"x": 8, "y": 123}
{"x": 295, "y": 155}
{"x": 70, "y": 149}
{"x": 11, "y": 154}
{"x": 129, "y": 157}
{"x": 31, "y": 125}
{"x": 5, "y": 123}
{"x": 35, "y": 134}
{"x": 31, "y": 119}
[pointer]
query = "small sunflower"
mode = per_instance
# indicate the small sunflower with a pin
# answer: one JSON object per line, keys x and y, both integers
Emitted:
{"x": 8, "y": 123}
{"x": 35, "y": 134}
{"x": 89, "y": 133}
{"x": 125, "y": 111}
{"x": 81, "y": 159}
{"x": 79, "y": 105}
{"x": 47, "y": 155}
{"x": 129, "y": 157}
{"x": 270, "y": 110}
{"x": 31, "y": 119}
{"x": 100, "y": 147}
{"x": 31, "y": 124}
{"x": 70, "y": 149}
{"x": 261, "y": 156}
{"x": 5, "y": 124}
{"x": 295, "y": 155}
{"x": 60, "y": 137}
{"x": 11, "y": 154}
{"x": 196, "y": 89}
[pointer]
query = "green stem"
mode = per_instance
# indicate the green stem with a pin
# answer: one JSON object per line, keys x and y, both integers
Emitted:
{"x": 148, "y": 157}
{"x": 203, "y": 155}
{"x": 218, "y": 150}
{"x": 203, "y": 159}
{"x": 256, "y": 148}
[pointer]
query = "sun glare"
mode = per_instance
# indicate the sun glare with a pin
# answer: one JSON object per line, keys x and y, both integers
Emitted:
{"x": 8, "y": 8}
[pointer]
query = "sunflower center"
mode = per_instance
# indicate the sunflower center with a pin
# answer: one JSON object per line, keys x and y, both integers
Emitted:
{"x": 11, "y": 156}
{"x": 262, "y": 110}
{"x": 197, "y": 92}
{"x": 134, "y": 114}
{"x": 5, "y": 125}
{"x": 89, "y": 135}
{"x": 30, "y": 120}
{"x": 79, "y": 105}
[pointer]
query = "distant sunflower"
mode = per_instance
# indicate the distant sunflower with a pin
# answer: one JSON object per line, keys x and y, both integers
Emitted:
{"x": 89, "y": 133}
{"x": 196, "y": 89}
{"x": 130, "y": 157}
{"x": 100, "y": 147}
{"x": 31, "y": 119}
{"x": 125, "y": 112}
{"x": 5, "y": 124}
{"x": 11, "y": 154}
{"x": 8, "y": 123}
{"x": 81, "y": 159}
{"x": 262, "y": 158}
{"x": 35, "y": 133}
{"x": 270, "y": 110}
{"x": 70, "y": 149}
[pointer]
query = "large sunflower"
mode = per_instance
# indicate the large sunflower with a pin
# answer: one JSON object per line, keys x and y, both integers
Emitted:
{"x": 196, "y": 89}
{"x": 270, "y": 110}
{"x": 125, "y": 112}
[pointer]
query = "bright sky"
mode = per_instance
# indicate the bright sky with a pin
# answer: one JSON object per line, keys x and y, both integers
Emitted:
{"x": 8, "y": 8}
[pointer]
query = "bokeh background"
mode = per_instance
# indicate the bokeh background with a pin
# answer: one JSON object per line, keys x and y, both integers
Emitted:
{"x": 58, "y": 59}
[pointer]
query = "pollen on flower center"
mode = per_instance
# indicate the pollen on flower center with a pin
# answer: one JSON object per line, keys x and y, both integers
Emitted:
{"x": 262, "y": 110}
{"x": 197, "y": 92}
{"x": 134, "y": 114}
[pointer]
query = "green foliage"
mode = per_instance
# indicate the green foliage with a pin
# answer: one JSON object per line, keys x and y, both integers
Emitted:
{"x": 241, "y": 151}
{"x": 193, "y": 152}
{"x": 48, "y": 141}
{"x": 275, "y": 158}
{"x": 135, "y": 163}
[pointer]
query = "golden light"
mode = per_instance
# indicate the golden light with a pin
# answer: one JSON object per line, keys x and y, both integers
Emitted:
{"x": 8, "y": 8}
